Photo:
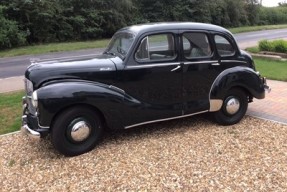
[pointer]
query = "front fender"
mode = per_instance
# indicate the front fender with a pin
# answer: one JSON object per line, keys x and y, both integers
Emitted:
{"x": 242, "y": 77}
{"x": 55, "y": 97}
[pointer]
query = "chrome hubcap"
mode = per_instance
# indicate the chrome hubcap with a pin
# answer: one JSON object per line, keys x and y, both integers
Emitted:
{"x": 80, "y": 131}
{"x": 232, "y": 106}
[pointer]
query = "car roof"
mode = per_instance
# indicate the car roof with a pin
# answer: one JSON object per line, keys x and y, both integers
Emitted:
{"x": 148, "y": 27}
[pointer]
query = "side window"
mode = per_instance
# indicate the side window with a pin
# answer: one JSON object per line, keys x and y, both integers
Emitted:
{"x": 196, "y": 45}
{"x": 156, "y": 47}
{"x": 224, "y": 47}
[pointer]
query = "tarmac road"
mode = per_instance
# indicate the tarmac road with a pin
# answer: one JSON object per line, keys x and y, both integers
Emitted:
{"x": 16, "y": 66}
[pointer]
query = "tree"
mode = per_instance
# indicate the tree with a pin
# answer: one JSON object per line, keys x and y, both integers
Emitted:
{"x": 252, "y": 9}
{"x": 10, "y": 35}
{"x": 283, "y": 4}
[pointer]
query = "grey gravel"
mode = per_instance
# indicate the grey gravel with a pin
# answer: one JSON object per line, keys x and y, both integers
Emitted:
{"x": 192, "y": 154}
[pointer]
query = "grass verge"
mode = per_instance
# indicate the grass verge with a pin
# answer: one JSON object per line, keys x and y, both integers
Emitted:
{"x": 272, "y": 69}
{"x": 54, "y": 47}
{"x": 10, "y": 112}
{"x": 72, "y": 46}
{"x": 256, "y": 28}
{"x": 253, "y": 49}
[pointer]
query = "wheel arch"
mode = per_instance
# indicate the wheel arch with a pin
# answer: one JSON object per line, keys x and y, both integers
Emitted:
{"x": 242, "y": 78}
{"x": 83, "y": 105}
{"x": 55, "y": 98}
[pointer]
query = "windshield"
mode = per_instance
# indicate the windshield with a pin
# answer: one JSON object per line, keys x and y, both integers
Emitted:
{"x": 120, "y": 44}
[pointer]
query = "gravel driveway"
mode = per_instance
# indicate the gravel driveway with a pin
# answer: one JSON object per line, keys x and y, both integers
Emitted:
{"x": 190, "y": 154}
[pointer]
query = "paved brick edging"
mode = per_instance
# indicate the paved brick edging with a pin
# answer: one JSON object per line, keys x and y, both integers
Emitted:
{"x": 274, "y": 106}
{"x": 11, "y": 84}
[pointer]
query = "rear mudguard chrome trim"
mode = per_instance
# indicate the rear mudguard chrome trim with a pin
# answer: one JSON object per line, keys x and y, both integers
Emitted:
{"x": 215, "y": 105}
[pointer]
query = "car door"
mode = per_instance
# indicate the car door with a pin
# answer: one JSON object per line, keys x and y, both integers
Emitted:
{"x": 200, "y": 68}
{"x": 152, "y": 80}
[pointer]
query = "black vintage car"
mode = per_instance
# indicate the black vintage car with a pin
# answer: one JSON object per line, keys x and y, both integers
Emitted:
{"x": 148, "y": 73}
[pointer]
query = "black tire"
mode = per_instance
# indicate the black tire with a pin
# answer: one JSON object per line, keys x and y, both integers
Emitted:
{"x": 224, "y": 116}
{"x": 62, "y": 138}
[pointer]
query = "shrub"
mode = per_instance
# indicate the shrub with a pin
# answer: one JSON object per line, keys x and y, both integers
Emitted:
{"x": 280, "y": 46}
{"x": 265, "y": 45}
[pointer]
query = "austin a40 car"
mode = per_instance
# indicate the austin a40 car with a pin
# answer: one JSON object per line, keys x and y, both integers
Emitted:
{"x": 148, "y": 73}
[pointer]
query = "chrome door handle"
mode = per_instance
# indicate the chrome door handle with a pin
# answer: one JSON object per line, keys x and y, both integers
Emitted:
{"x": 215, "y": 64}
{"x": 178, "y": 67}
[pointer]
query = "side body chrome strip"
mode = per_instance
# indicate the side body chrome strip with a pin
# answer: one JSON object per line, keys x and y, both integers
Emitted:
{"x": 199, "y": 62}
{"x": 166, "y": 119}
{"x": 151, "y": 65}
{"x": 232, "y": 61}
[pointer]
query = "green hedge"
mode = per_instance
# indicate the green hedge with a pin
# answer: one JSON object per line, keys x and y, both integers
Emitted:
{"x": 279, "y": 46}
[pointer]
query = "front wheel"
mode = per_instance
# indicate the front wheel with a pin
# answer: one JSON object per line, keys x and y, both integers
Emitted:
{"x": 233, "y": 109}
{"x": 76, "y": 131}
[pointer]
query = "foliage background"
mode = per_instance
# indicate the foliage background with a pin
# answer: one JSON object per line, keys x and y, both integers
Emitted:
{"x": 42, "y": 21}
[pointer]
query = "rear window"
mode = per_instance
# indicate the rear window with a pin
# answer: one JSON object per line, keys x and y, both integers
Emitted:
{"x": 196, "y": 45}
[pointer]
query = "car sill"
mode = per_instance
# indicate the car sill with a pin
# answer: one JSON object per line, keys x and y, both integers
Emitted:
{"x": 166, "y": 119}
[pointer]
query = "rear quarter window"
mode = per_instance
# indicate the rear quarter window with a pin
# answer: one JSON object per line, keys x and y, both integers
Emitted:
{"x": 223, "y": 46}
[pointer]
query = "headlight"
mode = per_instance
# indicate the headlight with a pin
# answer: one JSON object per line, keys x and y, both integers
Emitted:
{"x": 35, "y": 99}
{"x": 28, "y": 86}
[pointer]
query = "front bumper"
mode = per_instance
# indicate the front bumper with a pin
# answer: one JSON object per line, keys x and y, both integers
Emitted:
{"x": 30, "y": 124}
{"x": 26, "y": 130}
{"x": 266, "y": 87}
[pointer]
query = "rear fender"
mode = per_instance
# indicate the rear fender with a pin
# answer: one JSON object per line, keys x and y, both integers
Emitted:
{"x": 241, "y": 77}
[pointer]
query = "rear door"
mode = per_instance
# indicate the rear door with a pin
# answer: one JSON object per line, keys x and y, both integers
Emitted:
{"x": 200, "y": 68}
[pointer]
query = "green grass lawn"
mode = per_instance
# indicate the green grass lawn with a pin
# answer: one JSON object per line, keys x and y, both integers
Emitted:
{"x": 57, "y": 47}
{"x": 10, "y": 112}
{"x": 272, "y": 69}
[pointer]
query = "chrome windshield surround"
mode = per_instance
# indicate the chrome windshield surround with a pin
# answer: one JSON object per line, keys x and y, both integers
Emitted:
{"x": 166, "y": 119}
{"x": 151, "y": 65}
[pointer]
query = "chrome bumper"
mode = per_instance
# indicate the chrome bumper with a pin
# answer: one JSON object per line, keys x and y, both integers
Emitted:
{"x": 266, "y": 87}
{"x": 26, "y": 130}
{"x": 32, "y": 134}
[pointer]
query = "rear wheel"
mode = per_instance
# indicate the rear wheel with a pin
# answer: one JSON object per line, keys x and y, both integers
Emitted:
{"x": 76, "y": 131}
{"x": 233, "y": 109}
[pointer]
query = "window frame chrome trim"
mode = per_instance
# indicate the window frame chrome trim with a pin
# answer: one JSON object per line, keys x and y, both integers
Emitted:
{"x": 165, "y": 119}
